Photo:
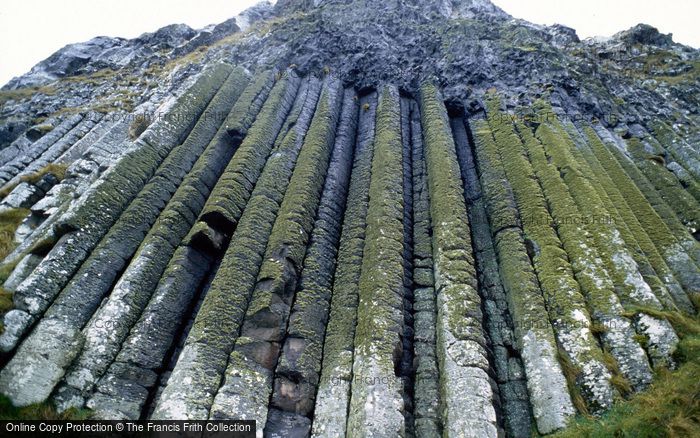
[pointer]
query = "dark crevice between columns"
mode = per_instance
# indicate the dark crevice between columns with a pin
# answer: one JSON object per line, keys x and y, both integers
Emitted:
{"x": 507, "y": 370}
{"x": 406, "y": 368}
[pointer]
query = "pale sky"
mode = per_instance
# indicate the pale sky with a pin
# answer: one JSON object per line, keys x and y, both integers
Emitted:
{"x": 31, "y": 30}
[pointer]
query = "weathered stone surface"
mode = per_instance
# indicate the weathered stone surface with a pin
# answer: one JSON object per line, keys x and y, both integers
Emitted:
{"x": 333, "y": 396}
{"x": 460, "y": 350}
{"x": 549, "y": 396}
{"x": 299, "y": 366}
{"x": 266, "y": 318}
{"x": 348, "y": 234}
{"x": 210, "y": 342}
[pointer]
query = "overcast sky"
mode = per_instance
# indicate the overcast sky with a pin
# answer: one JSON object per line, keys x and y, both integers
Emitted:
{"x": 31, "y": 30}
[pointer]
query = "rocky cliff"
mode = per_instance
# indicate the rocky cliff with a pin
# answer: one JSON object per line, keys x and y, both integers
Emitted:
{"x": 348, "y": 217}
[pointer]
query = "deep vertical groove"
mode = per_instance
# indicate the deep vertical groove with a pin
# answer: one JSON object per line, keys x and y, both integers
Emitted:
{"x": 211, "y": 339}
{"x": 333, "y": 395}
{"x": 426, "y": 375}
{"x": 549, "y": 396}
{"x": 376, "y": 403}
{"x": 406, "y": 366}
{"x": 514, "y": 412}
{"x": 247, "y": 386}
{"x": 591, "y": 273}
{"x": 299, "y": 367}
{"x": 466, "y": 394}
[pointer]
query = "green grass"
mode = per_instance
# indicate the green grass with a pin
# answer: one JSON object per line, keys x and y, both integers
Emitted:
{"x": 669, "y": 408}
{"x": 41, "y": 411}
{"x": 58, "y": 170}
{"x": 9, "y": 221}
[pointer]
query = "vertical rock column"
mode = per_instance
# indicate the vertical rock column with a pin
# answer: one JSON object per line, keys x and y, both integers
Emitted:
{"x": 198, "y": 373}
{"x": 466, "y": 395}
{"x": 590, "y": 170}
{"x": 617, "y": 190}
{"x": 426, "y": 379}
{"x": 57, "y": 339}
{"x": 376, "y": 403}
{"x": 593, "y": 278}
{"x": 245, "y": 392}
{"x": 549, "y": 396}
{"x": 671, "y": 238}
{"x": 333, "y": 396}
{"x": 406, "y": 366}
{"x": 299, "y": 366}
{"x": 224, "y": 207}
{"x": 565, "y": 305}
{"x": 685, "y": 154}
{"x": 508, "y": 366}
{"x": 125, "y": 388}
{"x": 630, "y": 286}
{"x": 111, "y": 323}
{"x": 683, "y": 204}
{"x": 92, "y": 215}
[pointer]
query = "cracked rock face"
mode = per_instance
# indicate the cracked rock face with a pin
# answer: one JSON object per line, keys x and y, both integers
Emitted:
{"x": 350, "y": 218}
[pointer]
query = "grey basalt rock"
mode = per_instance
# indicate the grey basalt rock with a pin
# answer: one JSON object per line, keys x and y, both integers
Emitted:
{"x": 210, "y": 342}
{"x": 110, "y": 324}
{"x": 299, "y": 366}
{"x": 333, "y": 395}
{"x": 46, "y": 283}
{"x": 348, "y": 234}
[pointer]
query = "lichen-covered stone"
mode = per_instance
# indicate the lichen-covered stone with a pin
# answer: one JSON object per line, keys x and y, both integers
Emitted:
{"x": 198, "y": 374}
{"x": 228, "y": 199}
{"x": 376, "y": 402}
{"x": 565, "y": 305}
{"x": 110, "y": 324}
{"x": 333, "y": 396}
{"x": 623, "y": 193}
{"x": 266, "y": 318}
{"x": 509, "y": 373}
{"x": 299, "y": 366}
{"x": 590, "y": 271}
{"x": 466, "y": 398}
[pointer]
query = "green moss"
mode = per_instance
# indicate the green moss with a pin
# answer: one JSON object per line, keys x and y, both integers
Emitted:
{"x": 619, "y": 217}
{"x": 670, "y": 407}
{"x": 594, "y": 280}
{"x": 666, "y": 183}
{"x": 340, "y": 332}
{"x": 623, "y": 194}
{"x": 233, "y": 190}
{"x": 452, "y": 253}
{"x": 564, "y": 302}
{"x": 526, "y": 301}
{"x": 652, "y": 212}
{"x": 578, "y": 177}
{"x": 382, "y": 262}
{"x": 379, "y": 312}
{"x": 220, "y": 318}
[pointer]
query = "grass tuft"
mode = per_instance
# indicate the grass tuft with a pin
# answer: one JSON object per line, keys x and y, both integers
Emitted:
{"x": 58, "y": 170}
{"x": 671, "y": 405}
{"x": 41, "y": 411}
{"x": 572, "y": 373}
